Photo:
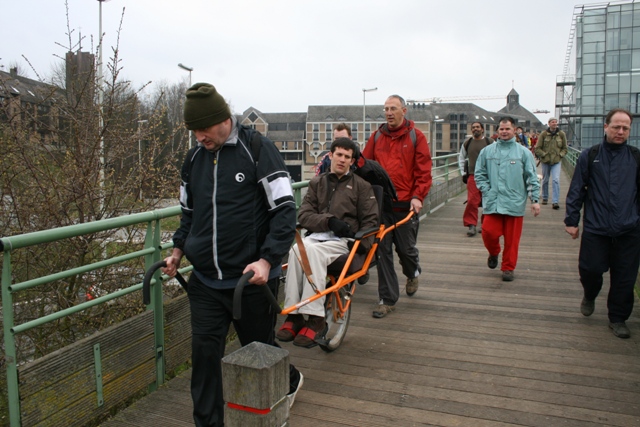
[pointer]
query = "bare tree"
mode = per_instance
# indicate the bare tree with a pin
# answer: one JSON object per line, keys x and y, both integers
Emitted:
{"x": 52, "y": 175}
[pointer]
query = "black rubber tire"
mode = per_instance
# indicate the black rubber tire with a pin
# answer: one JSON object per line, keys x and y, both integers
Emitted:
{"x": 337, "y": 327}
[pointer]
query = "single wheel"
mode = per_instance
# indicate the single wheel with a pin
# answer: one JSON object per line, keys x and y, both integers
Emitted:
{"x": 337, "y": 325}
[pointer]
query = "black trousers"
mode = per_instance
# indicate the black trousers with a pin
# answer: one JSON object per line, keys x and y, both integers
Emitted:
{"x": 620, "y": 255}
{"x": 211, "y": 315}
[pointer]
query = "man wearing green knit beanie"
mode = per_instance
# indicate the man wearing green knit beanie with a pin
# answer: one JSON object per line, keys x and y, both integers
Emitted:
{"x": 238, "y": 216}
{"x": 207, "y": 114}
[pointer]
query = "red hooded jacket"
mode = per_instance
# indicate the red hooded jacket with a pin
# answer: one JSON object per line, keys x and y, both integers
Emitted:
{"x": 408, "y": 167}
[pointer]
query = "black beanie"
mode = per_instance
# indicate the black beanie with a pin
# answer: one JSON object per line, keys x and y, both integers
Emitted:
{"x": 204, "y": 107}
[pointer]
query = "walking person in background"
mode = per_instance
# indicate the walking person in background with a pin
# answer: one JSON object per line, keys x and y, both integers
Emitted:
{"x": 505, "y": 175}
{"x": 403, "y": 152}
{"x": 550, "y": 149}
{"x": 605, "y": 183}
{"x": 467, "y": 162}
{"x": 340, "y": 131}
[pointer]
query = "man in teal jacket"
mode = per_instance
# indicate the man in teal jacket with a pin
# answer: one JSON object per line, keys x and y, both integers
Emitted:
{"x": 506, "y": 175}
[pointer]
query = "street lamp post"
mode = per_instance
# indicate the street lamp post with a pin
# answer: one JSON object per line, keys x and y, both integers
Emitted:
{"x": 364, "y": 105}
{"x": 189, "y": 69}
{"x": 433, "y": 140}
{"x": 100, "y": 106}
{"x": 140, "y": 154}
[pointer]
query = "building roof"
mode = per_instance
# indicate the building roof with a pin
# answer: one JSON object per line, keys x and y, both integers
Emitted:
{"x": 27, "y": 89}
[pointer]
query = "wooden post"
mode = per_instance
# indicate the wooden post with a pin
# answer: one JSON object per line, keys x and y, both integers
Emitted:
{"x": 255, "y": 382}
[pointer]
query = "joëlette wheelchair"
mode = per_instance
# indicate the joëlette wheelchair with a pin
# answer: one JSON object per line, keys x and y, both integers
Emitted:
{"x": 342, "y": 275}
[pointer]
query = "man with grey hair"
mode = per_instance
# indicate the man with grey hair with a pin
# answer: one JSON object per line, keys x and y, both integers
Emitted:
{"x": 403, "y": 152}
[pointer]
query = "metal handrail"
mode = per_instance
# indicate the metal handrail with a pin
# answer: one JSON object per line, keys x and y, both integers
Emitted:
{"x": 152, "y": 253}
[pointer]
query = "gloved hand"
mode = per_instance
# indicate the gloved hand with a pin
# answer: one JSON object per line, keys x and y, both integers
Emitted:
{"x": 340, "y": 228}
{"x": 362, "y": 250}
{"x": 465, "y": 178}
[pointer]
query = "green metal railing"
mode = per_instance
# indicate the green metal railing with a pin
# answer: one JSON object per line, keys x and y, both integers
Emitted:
{"x": 445, "y": 169}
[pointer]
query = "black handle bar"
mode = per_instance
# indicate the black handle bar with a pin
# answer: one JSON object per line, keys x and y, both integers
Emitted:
{"x": 237, "y": 295}
{"x": 146, "y": 282}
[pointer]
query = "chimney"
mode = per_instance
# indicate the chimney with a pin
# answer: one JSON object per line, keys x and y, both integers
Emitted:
{"x": 13, "y": 71}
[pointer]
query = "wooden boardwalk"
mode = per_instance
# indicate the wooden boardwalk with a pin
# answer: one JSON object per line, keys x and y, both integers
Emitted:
{"x": 466, "y": 350}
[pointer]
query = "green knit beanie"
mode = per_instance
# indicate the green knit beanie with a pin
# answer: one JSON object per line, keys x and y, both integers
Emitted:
{"x": 204, "y": 107}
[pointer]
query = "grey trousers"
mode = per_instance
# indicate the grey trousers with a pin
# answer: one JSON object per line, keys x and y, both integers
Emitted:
{"x": 404, "y": 238}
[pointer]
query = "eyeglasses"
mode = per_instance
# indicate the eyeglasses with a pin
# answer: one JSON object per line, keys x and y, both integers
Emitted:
{"x": 618, "y": 128}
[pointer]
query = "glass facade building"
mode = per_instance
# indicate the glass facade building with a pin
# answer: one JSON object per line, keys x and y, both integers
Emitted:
{"x": 607, "y": 67}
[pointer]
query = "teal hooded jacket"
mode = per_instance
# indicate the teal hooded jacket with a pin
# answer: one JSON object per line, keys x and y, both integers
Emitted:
{"x": 506, "y": 176}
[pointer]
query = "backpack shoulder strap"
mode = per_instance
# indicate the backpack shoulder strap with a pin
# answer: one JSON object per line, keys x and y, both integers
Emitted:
{"x": 466, "y": 144}
{"x": 412, "y": 135}
{"x": 256, "y": 145}
{"x": 593, "y": 152}
{"x": 636, "y": 155}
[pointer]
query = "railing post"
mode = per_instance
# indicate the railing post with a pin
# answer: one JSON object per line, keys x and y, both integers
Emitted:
{"x": 153, "y": 239}
{"x": 13, "y": 395}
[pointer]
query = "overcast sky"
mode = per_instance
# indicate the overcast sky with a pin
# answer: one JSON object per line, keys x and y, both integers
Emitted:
{"x": 283, "y": 55}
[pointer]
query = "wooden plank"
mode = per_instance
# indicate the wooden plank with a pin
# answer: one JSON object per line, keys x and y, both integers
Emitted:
{"x": 469, "y": 349}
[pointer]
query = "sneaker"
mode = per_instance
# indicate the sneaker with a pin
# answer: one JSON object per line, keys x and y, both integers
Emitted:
{"x": 556, "y": 206}
{"x": 412, "y": 286}
{"x": 291, "y": 397}
{"x": 472, "y": 231}
{"x": 587, "y": 307}
{"x": 492, "y": 262}
{"x": 620, "y": 329}
{"x": 544, "y": 202}
{"x": 507, "y": 276}
{"x": 383, "y": 310}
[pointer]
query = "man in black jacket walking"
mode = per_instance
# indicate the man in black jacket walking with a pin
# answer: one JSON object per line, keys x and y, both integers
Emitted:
{"x": 607, "y": 187}
{"x": 238, "y": 215}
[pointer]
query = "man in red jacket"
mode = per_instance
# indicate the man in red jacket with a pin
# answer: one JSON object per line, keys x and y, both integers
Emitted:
{"x": 403, "y": 152}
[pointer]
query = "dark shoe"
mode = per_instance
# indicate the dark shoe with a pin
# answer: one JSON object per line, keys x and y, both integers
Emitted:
{"x": 364, "y": 279}
{"x": 556, "y": 206}
{"x": 507, "y": 276}
{"x": 544, "y": 202}
{"x": 492, "y": 262}
{"x": 587, "y": 307}
{"x": 472, "y": 231}
{"x": 383, "y": 310}
{"x": 620, "y": 329}
{"x": 315, "y": 327}
{"x": 412, "y": 286}
{"x": 290, "y": 327}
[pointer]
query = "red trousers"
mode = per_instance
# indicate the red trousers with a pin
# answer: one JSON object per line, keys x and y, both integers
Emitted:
{"x": 474, "y": 198}
{"x": 496, "y": 225}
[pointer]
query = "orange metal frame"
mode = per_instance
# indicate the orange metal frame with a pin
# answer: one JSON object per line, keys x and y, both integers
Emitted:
{"x": 336, "y": 285}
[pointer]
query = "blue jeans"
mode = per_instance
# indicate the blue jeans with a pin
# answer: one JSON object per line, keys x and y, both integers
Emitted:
{"x": 554, "y": 171}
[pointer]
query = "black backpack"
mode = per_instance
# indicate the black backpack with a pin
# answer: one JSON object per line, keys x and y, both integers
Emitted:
{"x": 372, "y": 172}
